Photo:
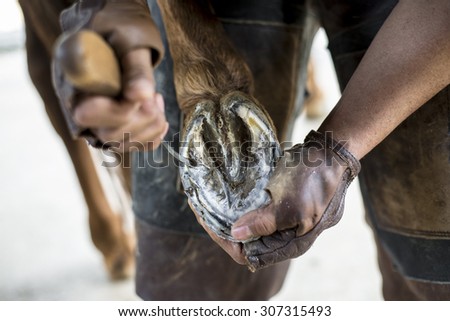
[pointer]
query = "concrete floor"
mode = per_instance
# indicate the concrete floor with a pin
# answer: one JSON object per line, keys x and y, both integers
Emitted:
{"x": 45, "y": 248}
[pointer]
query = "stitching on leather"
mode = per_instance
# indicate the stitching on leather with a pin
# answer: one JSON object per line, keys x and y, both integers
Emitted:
{"x": 326, "y": 218}
{"x": 261, "y": 23}
{"x": 338, "y": 149}
{"x": 415, "y": 233}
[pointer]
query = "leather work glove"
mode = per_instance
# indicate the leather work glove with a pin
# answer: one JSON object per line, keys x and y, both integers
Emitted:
{"x": 128, "y": 29}
{"x": 307, "y": 190}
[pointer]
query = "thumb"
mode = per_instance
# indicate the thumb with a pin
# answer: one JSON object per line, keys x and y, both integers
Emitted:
{"x": 259, "y": 222}
{"x": 138, "y": 81}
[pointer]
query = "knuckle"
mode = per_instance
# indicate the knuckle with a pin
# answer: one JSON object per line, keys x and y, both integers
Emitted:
{"x": 267, "y": 226}
{"x": 151, "y": 111}
{"x": 151, "y": 116}
{"x": 126, "y": 116}
{"x": 135, "y": 73}
{"x": 264, "y": 222}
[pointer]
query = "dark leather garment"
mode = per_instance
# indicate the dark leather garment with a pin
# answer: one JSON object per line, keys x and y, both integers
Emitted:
{"x": 174, "y": 266}
{"x": 350, "y": 26}
{"x": 275, "y": 39}
{"x": 405, "y": 185}
{"x": 398, "y": 287}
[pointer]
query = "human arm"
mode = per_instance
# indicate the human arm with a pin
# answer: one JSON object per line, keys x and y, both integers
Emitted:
{"x": 407, "y": 63}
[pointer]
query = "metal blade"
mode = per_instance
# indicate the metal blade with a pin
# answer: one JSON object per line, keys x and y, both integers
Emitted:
{"x": 175, "y": 154}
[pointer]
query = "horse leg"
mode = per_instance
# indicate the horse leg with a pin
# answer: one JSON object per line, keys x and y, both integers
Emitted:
{"x": 107, "y": 232}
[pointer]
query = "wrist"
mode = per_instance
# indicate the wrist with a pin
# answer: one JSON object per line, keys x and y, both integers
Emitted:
{"x": 326, "y": 141}
{"x": 348, "y": 135}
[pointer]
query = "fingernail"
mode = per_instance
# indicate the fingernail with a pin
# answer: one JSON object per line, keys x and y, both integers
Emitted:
{"x": 241, "y": 232}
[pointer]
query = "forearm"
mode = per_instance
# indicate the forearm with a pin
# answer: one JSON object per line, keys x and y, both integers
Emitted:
{"x": 407, "y": 63}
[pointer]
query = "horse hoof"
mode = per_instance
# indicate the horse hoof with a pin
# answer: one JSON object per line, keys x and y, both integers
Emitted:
{"x": 231, "y": 149}
{"x": 120, "y": 264}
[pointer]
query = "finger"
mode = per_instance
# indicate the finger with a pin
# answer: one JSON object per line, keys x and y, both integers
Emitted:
{"x": 100, "y": 111}
{"x": 282, "y": 246}
{"x": 256, "y": 223}
{"x": 138, "y": 81}
{"x": 233, "y": 249}
{"x": 146, "y": 126}
{"x": 148, "y": 139}
{"x": 149, "y": 115}
{"x": 156, "y": 130}
{"x": 141, "y": 132}
{"x": 154, "y": 105}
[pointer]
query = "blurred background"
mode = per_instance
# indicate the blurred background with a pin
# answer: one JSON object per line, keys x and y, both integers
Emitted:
{"x": 45, "y": 247}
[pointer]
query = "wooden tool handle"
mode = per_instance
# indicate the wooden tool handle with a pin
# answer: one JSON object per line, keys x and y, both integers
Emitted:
{"x": 89, "y": 63}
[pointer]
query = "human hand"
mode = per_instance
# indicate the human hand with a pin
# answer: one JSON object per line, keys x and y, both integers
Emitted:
{"x": 307, "y": 190}
{"x": 113, "y": 32}
{"x": 307, "y": 193}
{"x": 135, "y": 120}
{"x": 233, "y": 249}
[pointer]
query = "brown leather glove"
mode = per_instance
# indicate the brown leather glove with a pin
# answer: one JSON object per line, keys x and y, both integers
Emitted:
{"x": 125, "y": 24}
{"x": 307, "y": 190}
